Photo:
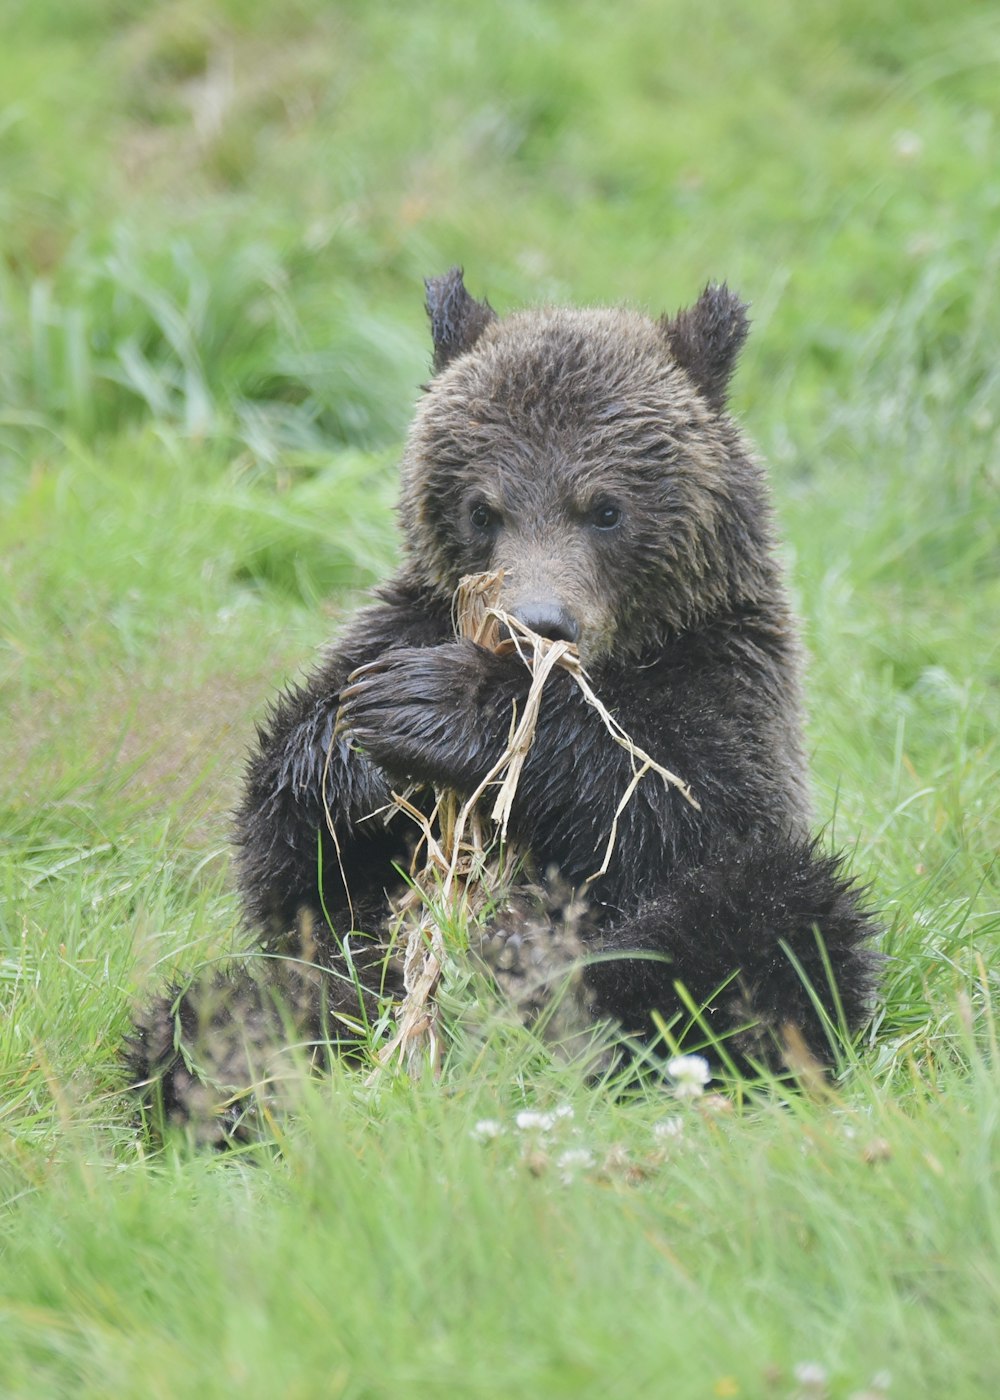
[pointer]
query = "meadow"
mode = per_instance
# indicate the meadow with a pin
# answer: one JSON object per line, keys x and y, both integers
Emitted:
{"x": 214, "y": 222}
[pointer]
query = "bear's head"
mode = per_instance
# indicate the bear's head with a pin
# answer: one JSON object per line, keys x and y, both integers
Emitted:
{"x": 588, "y": 454}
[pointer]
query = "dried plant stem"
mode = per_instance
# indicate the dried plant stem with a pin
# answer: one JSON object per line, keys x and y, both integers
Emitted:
{"x": 462, "y": 852}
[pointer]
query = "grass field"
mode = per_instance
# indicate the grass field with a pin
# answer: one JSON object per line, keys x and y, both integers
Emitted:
{"x": 214, "y": 221}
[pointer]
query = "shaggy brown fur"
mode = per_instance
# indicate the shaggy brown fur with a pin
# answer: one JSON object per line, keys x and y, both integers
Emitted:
{"x": 589, "y": 455}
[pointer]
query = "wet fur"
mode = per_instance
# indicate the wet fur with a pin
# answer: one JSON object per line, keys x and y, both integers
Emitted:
{"x": 546, "y": 423}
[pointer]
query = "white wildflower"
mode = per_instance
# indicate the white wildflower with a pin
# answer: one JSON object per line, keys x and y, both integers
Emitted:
{"x": 531, "y": 1120}
{"x": 812, "y": 1377}
{"x": 907, "y": 145}
{"x": 690, "y": 1074}
{"x": 572, "y": 1160}
{"x": 487, "y": 1129}
{"x": 668, "y": 1129}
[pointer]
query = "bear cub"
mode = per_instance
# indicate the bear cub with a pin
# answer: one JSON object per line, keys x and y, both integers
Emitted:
{"x": 588, "y": 454}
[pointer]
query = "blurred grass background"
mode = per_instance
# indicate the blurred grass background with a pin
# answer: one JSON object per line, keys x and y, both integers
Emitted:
{"x": 214, "y": 222}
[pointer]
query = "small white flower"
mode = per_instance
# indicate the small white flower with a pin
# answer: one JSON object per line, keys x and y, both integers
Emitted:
{"x": 690, "y": 1074}
{"x": 486, "y": 1129}
{"x": 907, "y": 145}
{"x": 572, "y": 1160}
{"x": 533, "y": 1120}
{"x": 530, "y": 1120}
{"x": 812, "y": 1377}
{"x": 668, "y": 1129}
{"x": 576, "y": 1157}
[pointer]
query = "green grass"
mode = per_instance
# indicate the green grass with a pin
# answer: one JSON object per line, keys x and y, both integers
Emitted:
{"x": 213, "y": 225}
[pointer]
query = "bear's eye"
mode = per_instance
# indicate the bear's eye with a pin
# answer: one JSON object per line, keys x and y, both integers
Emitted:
{"x": 606, "y": 516}
{"x": 483, "y": 516}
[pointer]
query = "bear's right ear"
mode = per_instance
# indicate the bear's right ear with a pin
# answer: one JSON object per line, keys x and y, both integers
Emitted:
{"x": 707, "y": 338}
{"x": 457, "y": 320}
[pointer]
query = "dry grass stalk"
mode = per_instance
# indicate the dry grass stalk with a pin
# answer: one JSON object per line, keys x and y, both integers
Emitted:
{"x": 462, "y": 865}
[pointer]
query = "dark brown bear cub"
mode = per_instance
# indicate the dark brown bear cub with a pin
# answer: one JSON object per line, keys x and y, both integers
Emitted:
{"x": 589, "y": 455}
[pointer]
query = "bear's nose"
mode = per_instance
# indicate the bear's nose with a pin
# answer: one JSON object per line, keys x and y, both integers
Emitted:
{"x": 550, "y": 620}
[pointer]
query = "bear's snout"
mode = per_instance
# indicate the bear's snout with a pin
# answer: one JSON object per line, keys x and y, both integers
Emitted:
{"x": 549, "y": 618}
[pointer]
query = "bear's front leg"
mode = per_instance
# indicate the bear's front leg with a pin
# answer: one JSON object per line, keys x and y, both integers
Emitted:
{"x": 438, "y": 714}
{"x": 441, "y": 715}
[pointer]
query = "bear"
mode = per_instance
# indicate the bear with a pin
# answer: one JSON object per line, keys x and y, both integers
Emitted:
{"x": 589, "y": 455}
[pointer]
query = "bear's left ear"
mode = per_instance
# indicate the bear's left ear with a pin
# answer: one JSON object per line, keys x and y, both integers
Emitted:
{"x": 457, "y": 320}
{"x": 707, "y": 338}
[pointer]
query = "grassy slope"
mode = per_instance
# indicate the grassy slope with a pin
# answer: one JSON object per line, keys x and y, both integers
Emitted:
{"x": 214, "y": 221}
